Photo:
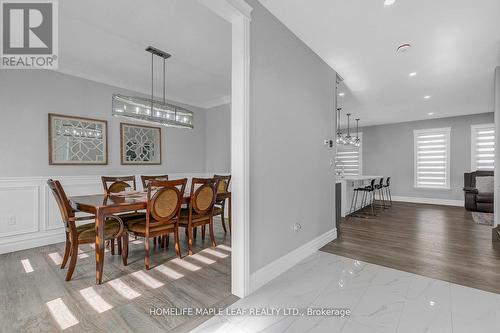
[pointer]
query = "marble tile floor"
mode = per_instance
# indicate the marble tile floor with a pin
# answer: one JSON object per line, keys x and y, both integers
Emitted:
{"x": 380, "y": 299}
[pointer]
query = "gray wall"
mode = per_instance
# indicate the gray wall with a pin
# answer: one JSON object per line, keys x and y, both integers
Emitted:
{"x": 291, "y": 113}
{"x": 26, "y": 97}
{"x": 388, "y": 151}
{"x": 218, "y": 140}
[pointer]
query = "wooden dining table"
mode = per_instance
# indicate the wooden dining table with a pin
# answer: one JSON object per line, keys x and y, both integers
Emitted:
{"x": 101, "y": 205}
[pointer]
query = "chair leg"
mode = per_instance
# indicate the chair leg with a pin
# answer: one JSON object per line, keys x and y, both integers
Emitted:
{"x": 190, "y": 240}
{"x": 203, "y": 232}
{"x": 372, "y": 202}
{"x": 112, "y": 247}
{"x": 146, "y": 252}
{"x": 390, "y": 196}
{"x": 67, "y": 249}
{"x": 125, "y": 248}
{"x": 211, "y": 229}
{"x": 176, "y": 240}
{"x": 195, "y": 231}
{"x": 119, "y": 241}
{"x": 222, "y": 216}
{"x": 72, "y": 262}
{"x": 154, "y": 242}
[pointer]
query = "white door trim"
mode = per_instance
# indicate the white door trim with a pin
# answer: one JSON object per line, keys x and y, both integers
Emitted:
{"x": 237, "y": 12}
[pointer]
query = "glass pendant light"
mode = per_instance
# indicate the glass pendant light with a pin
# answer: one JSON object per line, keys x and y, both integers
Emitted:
{"x": 151, "y": 110}
{"x": 339, "y": 138}
{"x": 349, "y": 140}
{"x": 357, "y": 141}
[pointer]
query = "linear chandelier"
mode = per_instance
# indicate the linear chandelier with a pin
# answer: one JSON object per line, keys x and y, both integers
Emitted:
{"x": 151, "y": 110}
{"x": 347, "y": 139}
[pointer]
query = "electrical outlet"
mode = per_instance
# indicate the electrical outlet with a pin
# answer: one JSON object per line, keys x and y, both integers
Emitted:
{"x": 297, "y": 227}
{"x": 11, "y": 220}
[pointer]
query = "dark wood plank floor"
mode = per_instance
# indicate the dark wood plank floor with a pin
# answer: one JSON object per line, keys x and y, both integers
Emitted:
{"x": 440, "y": 242}
{"x": 25, "y": 296}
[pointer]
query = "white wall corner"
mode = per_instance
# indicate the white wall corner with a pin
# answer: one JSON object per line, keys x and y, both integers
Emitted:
{"x": 281, "y": 265}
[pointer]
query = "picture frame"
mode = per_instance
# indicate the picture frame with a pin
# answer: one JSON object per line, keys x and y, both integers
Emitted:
{"x": 140, "y": 144}
{"x": 76, "y": 140}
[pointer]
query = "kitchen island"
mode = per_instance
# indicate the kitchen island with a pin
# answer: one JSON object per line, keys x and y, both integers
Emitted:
{"x": 348, "y": 184}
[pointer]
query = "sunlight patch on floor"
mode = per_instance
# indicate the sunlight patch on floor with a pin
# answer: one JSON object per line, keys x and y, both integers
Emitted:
{"x": 147, "y": 280}
{"x": 201, "y": 258}
{"x": 169, "y": 272}
{"x": 123, "y": 289}
{"x": 56, "y": 258}
{"x": 61, "y": 314}
{"x": 27, "y": 265}
{"x": 224, "y": 247}
{"x": 95, "y": 300}
{"x": 186, "y": 265}
{"x": 215, "y": 253}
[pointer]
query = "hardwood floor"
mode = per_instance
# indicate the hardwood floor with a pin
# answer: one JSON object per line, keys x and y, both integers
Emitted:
{"x": 440, "y": 242}
{"x": 123, "y": 302}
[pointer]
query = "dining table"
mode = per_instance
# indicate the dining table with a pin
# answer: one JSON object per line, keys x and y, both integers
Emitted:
{"x": 102, "y": 205}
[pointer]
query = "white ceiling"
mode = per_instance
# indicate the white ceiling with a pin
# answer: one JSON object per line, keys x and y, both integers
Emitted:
{"x": 105, "y": 41}
{"x": 455, "y": 48}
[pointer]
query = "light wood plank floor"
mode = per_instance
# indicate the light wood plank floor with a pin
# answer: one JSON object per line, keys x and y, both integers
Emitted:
{"x": 440, "y": 242}
{"x": 123, "y": 302}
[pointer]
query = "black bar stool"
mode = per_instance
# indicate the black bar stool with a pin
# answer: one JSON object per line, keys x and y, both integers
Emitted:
{"x": 380, "y": 188}
{"x": 387, "y": 187}
{"x": 368, "y": 194}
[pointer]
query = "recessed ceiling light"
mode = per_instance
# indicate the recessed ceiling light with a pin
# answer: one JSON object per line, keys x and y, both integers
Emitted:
{"x": 341, "y": 94}
{"x": 431, "y": 113}
{"x": 389, "y": 2}
{"x": 427, "y": 96}
{"x": 413, "y": 73}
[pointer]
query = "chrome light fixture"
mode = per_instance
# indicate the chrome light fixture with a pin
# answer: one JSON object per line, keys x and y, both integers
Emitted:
{"x": 357, "y": 141}
{"x": 150, "y": 110}
{"x": 339, "y": 137}
{"x": 349, "y": 140}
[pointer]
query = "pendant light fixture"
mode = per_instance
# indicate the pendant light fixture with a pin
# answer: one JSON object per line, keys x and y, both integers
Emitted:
{"x": 152, "y": 110}
{"x": 348, "y": 138}
{"x": 339, "y": 138}
{"x": 357, "y": 141}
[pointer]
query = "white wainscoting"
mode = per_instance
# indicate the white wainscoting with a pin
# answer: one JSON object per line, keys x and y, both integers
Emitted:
{"x": 29, "y": 216}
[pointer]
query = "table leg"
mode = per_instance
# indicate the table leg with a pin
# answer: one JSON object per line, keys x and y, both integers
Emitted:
{"x": 99, "y": 245}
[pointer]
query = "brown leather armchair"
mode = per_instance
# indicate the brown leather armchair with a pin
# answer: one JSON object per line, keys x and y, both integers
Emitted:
{"x": 474, "y": 200}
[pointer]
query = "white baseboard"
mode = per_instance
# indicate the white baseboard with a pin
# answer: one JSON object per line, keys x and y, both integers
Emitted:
{"x": 431, "y": 201}
{"x": 281, "y": 265}
{"x": 32, "y": 242}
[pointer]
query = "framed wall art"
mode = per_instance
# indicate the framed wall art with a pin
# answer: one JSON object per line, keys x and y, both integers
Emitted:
{"x": 140, "y": 144}
{"x": 77, "y": 141}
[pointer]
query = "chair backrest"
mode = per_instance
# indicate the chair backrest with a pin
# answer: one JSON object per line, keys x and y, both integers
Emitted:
{"x": 146, "y": 179}
{"x": 372, "y": 184}
{"x": 388, "y": 181}
{"x": 381, "y": 182}
{"x": 203, "y": 194}
{"x": 62, "y": 200}
{"x": 117, "y": 184}
{"x": 223, "y": 185}
{"x": 164, "y": 200}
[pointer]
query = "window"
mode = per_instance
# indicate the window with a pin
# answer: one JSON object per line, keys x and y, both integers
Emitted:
{"x": 482, "y": 147}
{"x": 349, "y": 159}
{"x": 432, "y": 158}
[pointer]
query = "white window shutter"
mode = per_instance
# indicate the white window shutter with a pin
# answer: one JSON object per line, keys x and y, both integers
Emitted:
{"x": 432, "y": 158}
{"x": 483, "y": 147}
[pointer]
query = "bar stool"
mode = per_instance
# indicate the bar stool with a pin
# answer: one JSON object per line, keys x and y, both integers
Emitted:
{"x": 380, "y": 188}
{"x": 387, "y": 187}
{"x": 368, "y": 194}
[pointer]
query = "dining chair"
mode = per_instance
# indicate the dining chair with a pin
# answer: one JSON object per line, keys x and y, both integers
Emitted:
{"x": 113, "y": 185}
{"x": 162, "y": 214}
{"x": 81, "y": 234}
{"x": 220, "y": 200}
{"x": 200, "y": 209}
{"x": 146, "y": 179}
